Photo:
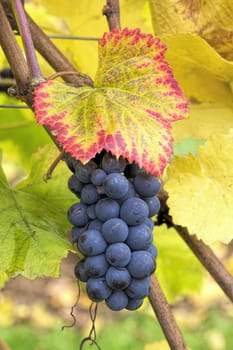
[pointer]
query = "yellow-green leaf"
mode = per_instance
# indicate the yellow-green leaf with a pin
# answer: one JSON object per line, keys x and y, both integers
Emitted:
{"x": 201, "y": 190}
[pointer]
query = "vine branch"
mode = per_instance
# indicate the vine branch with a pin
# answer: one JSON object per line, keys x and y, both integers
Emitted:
{"x": 14, "y": 56}
{"x": 165, "y": 316}
{"x": 112, "y": 12}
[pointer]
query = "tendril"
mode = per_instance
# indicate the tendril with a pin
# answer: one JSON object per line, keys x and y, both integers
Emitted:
{"x": 72, "y": 309}
{"x": 92, "y": 334}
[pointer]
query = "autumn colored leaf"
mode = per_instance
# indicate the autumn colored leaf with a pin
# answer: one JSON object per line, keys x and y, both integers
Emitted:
{"x": 201, "y": 190}
{"x": 128, "y": 112}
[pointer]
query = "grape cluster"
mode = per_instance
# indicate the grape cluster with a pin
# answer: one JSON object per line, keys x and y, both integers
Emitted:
{"x": 112, "y": 228}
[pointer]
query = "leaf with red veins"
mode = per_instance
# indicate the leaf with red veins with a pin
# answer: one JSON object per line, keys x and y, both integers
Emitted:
{"x": 128, "y": 112}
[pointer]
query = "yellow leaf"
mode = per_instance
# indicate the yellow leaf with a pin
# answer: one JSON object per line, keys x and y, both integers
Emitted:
{"x": 201, "y": 190}
{"x": 212, "y": 20}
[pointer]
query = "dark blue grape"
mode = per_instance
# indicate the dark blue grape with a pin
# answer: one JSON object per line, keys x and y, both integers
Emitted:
{"x": 118, "y": 278}
{"x": 140, "y": 237}
{"x": 149, "y": 223}
{"x": 77, "y": 214}
{"x": 96, "y": 266}
{"x": 84, "y": 171}
{"x": 89, "y": 194}
{"x": 118, "y": 254}
{"x": 130, "y": 193}
{"x": 153, "y": 205}
{"x": 97, "y": 289}
{"x": 80, "y": 271}
{"x": 98, "y": 176}
{"x": 72, "y": 163}
{"x": 147, "y": 185}
{"x": 111, "y": 164}
{"x": 107, "y": 208}
{"x": 95, "y": 224}
{"x": 91, "y": 212}
{"x": 91, "y": 242}
{"x": 134, "y": 304}
{"x": 142, "y": 264}
{"x": 115, "y": 230}
{"x": 153, "y": 250}
{"x": 134, "y": 211}
{"x": 75, "y": 185}
{"x": 76, "y": 232}
{"x": 117, "y": 301}
{"x": 115, "y": 186}
{"x": 138, "y": 288}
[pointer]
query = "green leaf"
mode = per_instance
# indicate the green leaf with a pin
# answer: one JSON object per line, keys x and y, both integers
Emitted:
{"x": 178, "y": 271}
{"x": 128, "y": 112}
{"x": 33, "y": 221}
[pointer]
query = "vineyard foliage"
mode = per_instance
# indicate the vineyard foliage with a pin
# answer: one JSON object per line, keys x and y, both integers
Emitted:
{"x": 199, "y": 178}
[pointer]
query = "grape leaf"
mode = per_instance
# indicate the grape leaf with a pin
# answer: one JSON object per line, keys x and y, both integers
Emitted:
{"x": 175, "y": 255}
{"x": 211, "y": 20}
{"x": 128, "y": 112}
{"x": 33, "y": 225}
{"x": 201, "y": 190}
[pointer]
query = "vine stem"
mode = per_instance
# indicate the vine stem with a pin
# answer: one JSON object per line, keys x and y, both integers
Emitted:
{"x": 22, "y": 23}
{"x": 112, "y": 12}
{"x": 165, "y": 316}
{"x": 13, "y": 53}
